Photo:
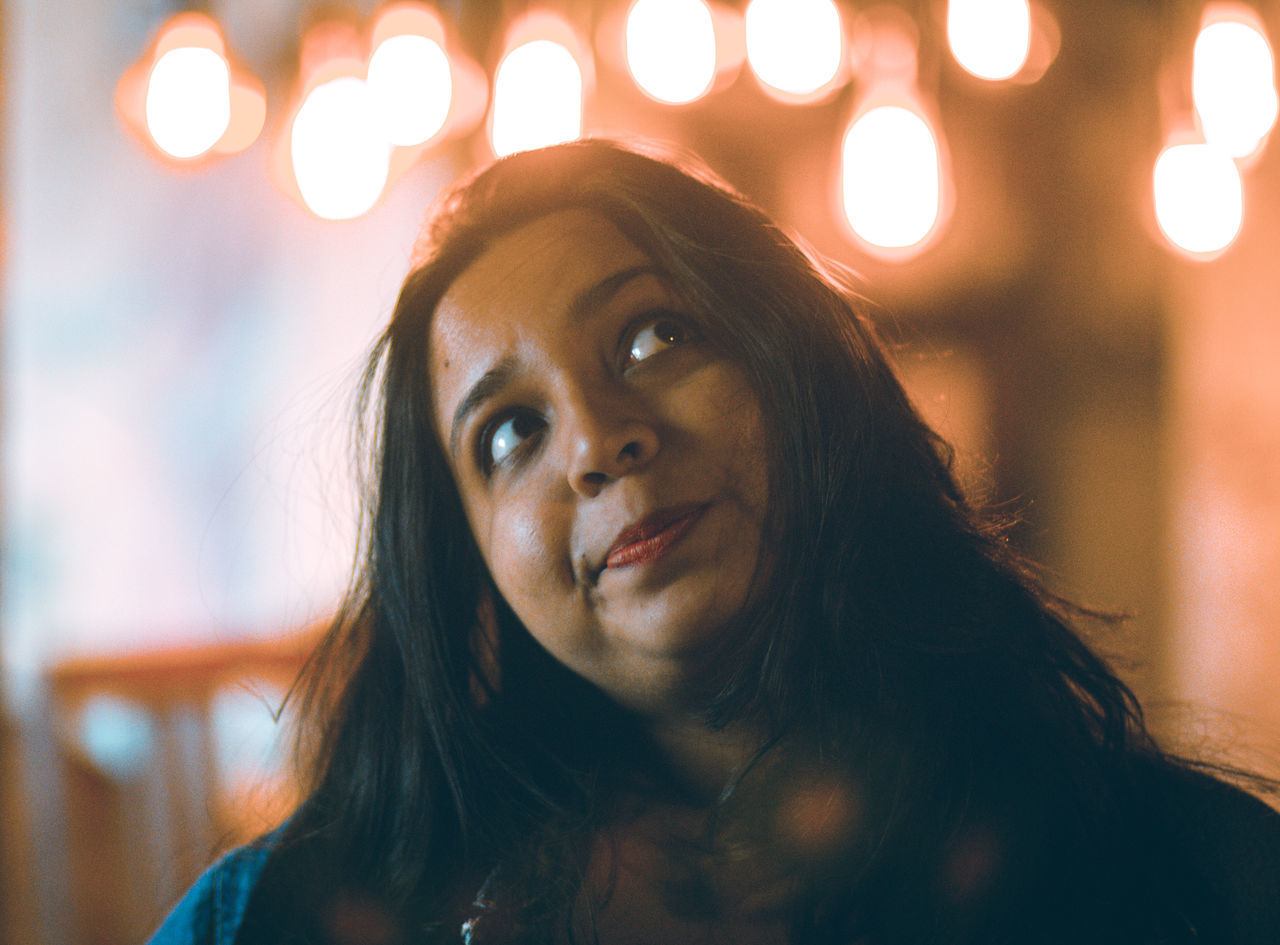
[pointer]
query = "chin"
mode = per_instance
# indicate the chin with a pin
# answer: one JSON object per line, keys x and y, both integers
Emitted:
{"x": 689, "y": 624}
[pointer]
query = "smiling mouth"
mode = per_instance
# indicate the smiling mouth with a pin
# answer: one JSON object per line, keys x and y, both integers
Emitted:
{"x": 651, "y": 537}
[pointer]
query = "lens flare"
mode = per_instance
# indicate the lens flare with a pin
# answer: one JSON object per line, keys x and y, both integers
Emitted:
{"x": 188, "y": 104}
{"x": 991, "y": 39}
{"x": 1199, "y": 198}
{"x": 1233, "y": 84}
{"x": 537, "y": 98}
{"x": 671, "y": 49}
{"x": 891, "y": 177}
{"x": 341, "y": 158}
{"x": 794, "y": 46}
{"x": 411, "y": 86}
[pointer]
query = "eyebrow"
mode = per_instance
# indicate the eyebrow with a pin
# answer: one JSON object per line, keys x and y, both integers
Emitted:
{"x": 492, "y": 381}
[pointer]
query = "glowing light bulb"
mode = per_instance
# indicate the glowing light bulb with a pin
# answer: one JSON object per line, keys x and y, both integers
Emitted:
{"x": 990, "y": 38}
{"x": 1199, "y": 197}
{"x": 891, "y": 178}
{"x": 537, "y": 98}
{"x": 671, "y": 48}
{"x": 1233, "y": 84}
{"x": 794, "y": 46}
{"x": 188, "y": 103}
{"x": 341, "y": 157}
{"x": 411, "y": 86}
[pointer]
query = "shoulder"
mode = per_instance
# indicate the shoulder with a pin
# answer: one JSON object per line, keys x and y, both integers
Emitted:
{"x": 1227, "y": 838}
{"x": 212, "y": 909}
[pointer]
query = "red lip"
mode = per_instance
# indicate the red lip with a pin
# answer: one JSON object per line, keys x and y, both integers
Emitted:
{"x": 648, "y": 539}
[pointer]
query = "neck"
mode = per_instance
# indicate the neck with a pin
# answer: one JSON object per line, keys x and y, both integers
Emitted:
{"x": 703, "y": 760}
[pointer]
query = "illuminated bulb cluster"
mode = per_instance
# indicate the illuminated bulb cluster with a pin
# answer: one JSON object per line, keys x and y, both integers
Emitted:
{"x": 411, "y": 87}
{"x": 1233, "y": 85}
{"x": 794, "y": 46}
{"x": 891, "y": 177}
{"x": 355, "y": 127}
{"x": 348, "y": 126}
{"x": 537, "y": 97}
{"x": 671, "y": 49}
{"x": 186, "y": 98}
{"x": 340, "y": 152}
{"x": 990, "y": 39}
{"x": 1198, "y": 190}
{"x": 348, "y": 130}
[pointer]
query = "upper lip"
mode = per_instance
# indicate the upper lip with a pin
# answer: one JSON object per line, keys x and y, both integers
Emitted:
{"x": 648, "y": 526}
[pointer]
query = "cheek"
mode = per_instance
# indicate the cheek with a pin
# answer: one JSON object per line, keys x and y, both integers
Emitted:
{"x": 754, "y": 448}
{"x": 732, "y": 419}
{"x": 525, "y": 558}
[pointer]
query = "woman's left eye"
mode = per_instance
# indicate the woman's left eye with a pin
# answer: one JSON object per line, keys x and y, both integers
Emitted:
{"x": 655, "y": 336}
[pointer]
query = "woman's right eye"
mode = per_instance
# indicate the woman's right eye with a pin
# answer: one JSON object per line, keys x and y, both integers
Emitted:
{"x": 504, "y": 437}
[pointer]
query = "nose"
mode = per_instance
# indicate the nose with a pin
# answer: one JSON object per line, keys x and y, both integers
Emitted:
{"x": 608, "y": 439}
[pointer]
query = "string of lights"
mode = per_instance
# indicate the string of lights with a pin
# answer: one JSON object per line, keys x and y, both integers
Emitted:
{"x": 367, "y": 107}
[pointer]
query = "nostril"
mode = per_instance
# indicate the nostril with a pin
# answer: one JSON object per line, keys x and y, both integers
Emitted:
{"x": 604, "y": 450}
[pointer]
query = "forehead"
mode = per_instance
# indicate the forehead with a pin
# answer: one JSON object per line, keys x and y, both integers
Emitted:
{"x": 534, "y": 267}
{"x": 525, "y": 279}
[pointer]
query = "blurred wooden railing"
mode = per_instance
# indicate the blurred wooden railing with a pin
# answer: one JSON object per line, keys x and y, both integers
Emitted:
{"x": 138, "y": 837}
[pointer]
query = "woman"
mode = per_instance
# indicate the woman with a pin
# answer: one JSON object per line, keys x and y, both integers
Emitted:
{"x": 674, "y": 626}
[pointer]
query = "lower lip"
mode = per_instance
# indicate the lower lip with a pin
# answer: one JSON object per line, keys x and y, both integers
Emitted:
{"x": 655, "y": 546}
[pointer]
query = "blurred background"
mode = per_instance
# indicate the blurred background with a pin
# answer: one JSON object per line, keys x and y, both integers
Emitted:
{"x": 1066, "y": 213}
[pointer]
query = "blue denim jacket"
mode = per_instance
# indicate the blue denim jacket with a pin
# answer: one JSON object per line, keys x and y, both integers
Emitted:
{"x": 1226, "y": 845}
{"x": 211, "y": 911}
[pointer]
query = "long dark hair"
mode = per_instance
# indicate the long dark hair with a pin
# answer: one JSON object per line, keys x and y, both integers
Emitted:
{"x": 901, "y": 648}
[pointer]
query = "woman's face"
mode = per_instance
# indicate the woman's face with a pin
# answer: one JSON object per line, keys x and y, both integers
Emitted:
{"x": 611, "y": 462}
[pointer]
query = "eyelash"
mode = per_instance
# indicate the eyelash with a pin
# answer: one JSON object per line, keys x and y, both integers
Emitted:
{"x": 683, "y": 334}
